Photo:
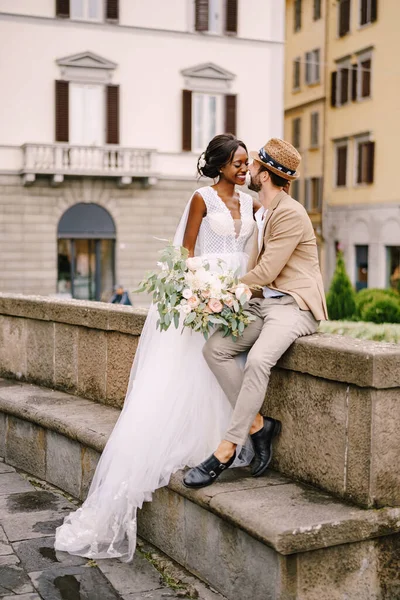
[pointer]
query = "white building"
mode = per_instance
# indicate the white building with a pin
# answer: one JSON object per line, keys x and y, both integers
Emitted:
{"x": 105, "y": 107}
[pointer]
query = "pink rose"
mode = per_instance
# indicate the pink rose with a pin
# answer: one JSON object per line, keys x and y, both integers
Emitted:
{"x": 215, "y": 305}
{"x": 206, "y": 294}
{"x": 243, "y": 289}
{"x": 228, "y": 301}
{"x": 193, "y": 302}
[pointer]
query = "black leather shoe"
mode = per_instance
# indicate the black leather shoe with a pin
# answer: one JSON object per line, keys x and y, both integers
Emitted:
{"x": 262, "y": 443}
{"x": 206, "y": 472}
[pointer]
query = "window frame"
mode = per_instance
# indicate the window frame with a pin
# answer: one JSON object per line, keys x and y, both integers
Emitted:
{"x": 297, "y": 17}
{"x": 359, "y": 140}
{"x": 296, "y": 65}
{"x": 314, "y": 144}
{"x": 219, "y": 118}
{"x": 317, "y": 14}
{"x": 342, "y": 64}
{"x": 85, "y": 9}
{"x": 369, "y": 13}
{"x": 313, "y": 66}
{"x": 362, "y": 57}
{"x": 344, "y": 143}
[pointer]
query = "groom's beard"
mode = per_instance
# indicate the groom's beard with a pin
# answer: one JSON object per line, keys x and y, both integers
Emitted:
{"x": 255, "y": 187}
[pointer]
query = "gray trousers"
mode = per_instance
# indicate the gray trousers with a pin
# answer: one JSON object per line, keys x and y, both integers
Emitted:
{"x": 279, "y": 321}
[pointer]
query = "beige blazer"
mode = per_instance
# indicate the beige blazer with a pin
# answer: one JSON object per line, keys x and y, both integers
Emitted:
{"x": 288, "y": 258}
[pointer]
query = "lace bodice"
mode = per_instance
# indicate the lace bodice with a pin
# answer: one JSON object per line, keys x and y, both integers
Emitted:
{"x": 217, "y": 234}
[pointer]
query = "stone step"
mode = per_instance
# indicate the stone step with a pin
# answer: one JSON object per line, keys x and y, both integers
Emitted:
{"x": 267, "y": 539}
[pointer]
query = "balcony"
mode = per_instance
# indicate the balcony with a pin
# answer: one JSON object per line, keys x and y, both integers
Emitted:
{"x": 59, "y": 160}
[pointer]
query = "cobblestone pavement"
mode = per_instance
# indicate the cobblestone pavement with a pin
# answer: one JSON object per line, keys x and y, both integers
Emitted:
{"x": 30, "y": 569}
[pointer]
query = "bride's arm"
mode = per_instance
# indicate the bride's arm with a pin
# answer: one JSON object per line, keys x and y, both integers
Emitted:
{"x": 197, "y": 212}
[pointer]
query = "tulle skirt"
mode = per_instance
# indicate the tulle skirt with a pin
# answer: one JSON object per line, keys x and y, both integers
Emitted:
{"x": 174, "y": 416}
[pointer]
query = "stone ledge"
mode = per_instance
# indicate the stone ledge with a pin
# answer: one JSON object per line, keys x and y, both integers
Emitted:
{"x": 94, "y": 315}
{"x": 284, "y": 515}
{"x": 334, "y": 357}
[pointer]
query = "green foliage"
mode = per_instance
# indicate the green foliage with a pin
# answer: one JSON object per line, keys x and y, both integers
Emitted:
{"x": 387, "y": 332}
{"x": 341, "y": 296}
{"x": 384, "y": 310}
{"x": 368, "y": 295}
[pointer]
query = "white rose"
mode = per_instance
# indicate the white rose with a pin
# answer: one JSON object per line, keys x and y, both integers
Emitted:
{"x": 242, "y": 289}
{"x": 194, "y": 263}
{"x": 187, "y": 293}
{"x": 185, "y": 309}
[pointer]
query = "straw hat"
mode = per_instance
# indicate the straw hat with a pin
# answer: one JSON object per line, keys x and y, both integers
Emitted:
{"x": 280, "y": 157}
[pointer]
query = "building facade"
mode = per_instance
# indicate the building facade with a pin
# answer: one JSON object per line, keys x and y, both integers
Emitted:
{"x": 360, "y": 201}
{"x": 106, "y": 106}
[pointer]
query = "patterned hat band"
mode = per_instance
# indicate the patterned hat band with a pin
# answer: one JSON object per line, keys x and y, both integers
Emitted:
{"x": 266, "y": 158}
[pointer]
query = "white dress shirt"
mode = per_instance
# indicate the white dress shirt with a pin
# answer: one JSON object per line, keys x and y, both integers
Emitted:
{"x": 260, "y": 216}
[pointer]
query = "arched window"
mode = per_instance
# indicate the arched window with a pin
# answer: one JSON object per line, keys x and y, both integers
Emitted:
{"x": 86, "y": 253}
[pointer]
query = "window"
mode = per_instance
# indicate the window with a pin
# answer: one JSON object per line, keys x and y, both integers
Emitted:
{"x": 297, "y": 15}
{"x": 340, "y": 91}
{"x": 216, "y": 16}
{"x": 312, "y": 67}
{"x": 361, "y": 267}
{"x": 314, "y": 137}
{"x": 207, "y": 119}
{"x": 344, "y": 17}
{"x": 296, "y": 73}
{"x": 313, "y": 194}
{"x": 86, "y": 10}
{"x": 341, "y": 165}
{"x": 86, "y": 114}
{"x": 362, "y": 78}
{"x": 365, "y": 157}
{"x": 393, "y": 267}
{"x": 86, "y": 253}
{"x": 295, "y": 190}
{"x": 296, "y": 133}
{"x": 317, "y": 10}
{"x": 368, "y": 11}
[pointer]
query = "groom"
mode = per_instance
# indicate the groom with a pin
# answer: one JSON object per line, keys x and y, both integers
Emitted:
{"x": 288, "y": 301}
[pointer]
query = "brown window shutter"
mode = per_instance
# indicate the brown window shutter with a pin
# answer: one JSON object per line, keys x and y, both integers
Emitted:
{"x": 231, "y": 16}
{"x": 230, "y": 114}
{"x": 201, "y": 15}
{"x": 333, "y": 88}
{"x": 370, "y": 148}
{"x": 344, "y": 86}
{"x": 366, "y": 78}
{"x": 364, "y": 12}
{"x": 112, "y": 114}
{"x": 344, "y": 17}
{"x": 307, "y": 193}
{"x": 354, "y": 79}
{"x": 62, "y": 8}
{"x": 186, "y": 121}
{"x": 341, "y": 175}
{"x": 374, "y": 11}
{"x": 320, "y": 193}
{"x": 112, "y": 10}
{"x": 62, "y": 111}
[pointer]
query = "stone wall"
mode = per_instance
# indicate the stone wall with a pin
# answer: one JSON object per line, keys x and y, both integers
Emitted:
{"x": 29, "y": 218}
{"x": 338, "y": 398}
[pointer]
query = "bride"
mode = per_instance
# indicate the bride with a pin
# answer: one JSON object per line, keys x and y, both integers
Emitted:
{"x": 175, "y": 413}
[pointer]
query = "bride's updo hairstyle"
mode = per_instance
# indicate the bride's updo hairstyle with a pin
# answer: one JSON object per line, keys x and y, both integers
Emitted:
{"x": 220, "y": 151}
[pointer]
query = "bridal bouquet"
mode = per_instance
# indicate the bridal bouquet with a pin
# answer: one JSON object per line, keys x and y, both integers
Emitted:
{"x": 185, "y": 288}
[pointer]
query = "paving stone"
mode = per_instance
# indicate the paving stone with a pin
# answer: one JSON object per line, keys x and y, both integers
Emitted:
{"x": 162, "y": 594}
{"x": 73, "y": 583}
{"x": 6, "y": 468}
{"x": 13, "y": 578}
{"x": 11, "y": 483}
{"x": 5, "y": 547}
{"x": 139, "y": 576}
{"x": 38, "y": 554}
{"x": 22, "y": 597}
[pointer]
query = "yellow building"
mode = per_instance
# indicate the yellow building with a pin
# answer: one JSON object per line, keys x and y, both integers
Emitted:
{"x": 359, "y": 98}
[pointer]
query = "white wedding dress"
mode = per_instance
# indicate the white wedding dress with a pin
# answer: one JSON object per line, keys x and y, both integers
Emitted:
{"x": 175, "y": 412}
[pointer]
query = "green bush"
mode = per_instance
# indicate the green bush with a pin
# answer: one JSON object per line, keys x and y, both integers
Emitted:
{"x": 382, "y": 310}
{"x": 368, "y": 295}
{"x": 341, "y": 296}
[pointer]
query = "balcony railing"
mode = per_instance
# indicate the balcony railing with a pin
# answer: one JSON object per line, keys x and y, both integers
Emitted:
{"x": 59, "y": 160}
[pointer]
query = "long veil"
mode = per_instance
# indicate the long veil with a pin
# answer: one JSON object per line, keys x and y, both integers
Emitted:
{"x": 174, "y": 416}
